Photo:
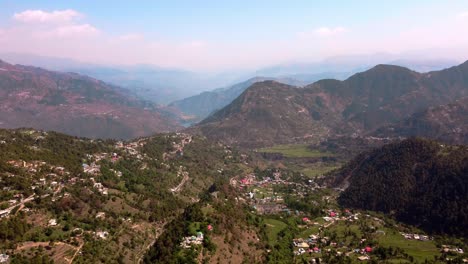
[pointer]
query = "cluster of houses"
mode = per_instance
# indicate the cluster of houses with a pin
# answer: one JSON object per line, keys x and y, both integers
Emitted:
{"x": 44, "y": 176}
{"x": 416, "y": 237}
{"x": 99, "y": 187}
{"x": 272, "y": 204}
{"x": 131, "y": 148}
{"x": 178, "y": 147}
{"x": 310, "y": 245}
{"x": 92, "y": 169}
{"x": 447, "y": 248}
{"x": 36, "y": 166}
{"x": 188, "y": 241}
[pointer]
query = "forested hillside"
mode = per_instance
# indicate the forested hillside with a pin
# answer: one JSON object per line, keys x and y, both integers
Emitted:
{"x": 447, "y": 123}
{"x": 420, "y": 182}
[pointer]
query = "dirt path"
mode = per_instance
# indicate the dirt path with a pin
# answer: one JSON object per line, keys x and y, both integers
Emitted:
{"x": 147, "y": 247}
{"x": 331, "y": 223}
{"x": 28, "y": 245}
{"x": 76, "y": 253}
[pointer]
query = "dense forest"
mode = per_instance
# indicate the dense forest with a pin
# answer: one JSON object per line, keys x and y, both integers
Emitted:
{"x": 420, "y": 182}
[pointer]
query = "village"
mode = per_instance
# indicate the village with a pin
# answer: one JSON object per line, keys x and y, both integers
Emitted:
{"x": 56, "y": 186}
{"x": 334, "y": 231}
{"x": 49, "y": 182}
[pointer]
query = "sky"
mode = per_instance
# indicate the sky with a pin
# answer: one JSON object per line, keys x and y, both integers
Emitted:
{"x": 220, "y": 35}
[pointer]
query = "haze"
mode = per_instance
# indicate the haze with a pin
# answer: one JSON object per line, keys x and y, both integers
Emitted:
{"x": 243, "y": 35}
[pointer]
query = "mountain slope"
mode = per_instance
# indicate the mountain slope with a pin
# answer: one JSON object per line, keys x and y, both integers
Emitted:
{"x": 72, "y": 195}
{"x": 74, "y": 104}
{"x": 362, "y": 103}
{"x": 448, "y": 123}
{"x": 266, "y": 113}
{"x": 419, "y": 181}
{"x": 199, "y": 107}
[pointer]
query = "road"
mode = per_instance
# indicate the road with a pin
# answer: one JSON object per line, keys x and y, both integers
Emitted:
{"x": 184, "y": 180}
{"x": 21, "y": 203}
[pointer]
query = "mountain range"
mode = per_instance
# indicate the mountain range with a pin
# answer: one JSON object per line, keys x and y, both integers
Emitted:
{"x": 270, "y": 113}
{"x": 163, "y": 85}
{"x": 384, "y": 101}
{"x": 160, "y": 85}
{"x": 75, "y": 104}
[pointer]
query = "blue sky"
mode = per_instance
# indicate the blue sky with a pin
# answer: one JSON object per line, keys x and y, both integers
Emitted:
{"x": 230, "y": 34}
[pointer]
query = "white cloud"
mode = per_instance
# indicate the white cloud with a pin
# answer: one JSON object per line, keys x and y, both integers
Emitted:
{"x": 57, "y": 23}
{"x": 81, "y": 30}
{"x": 40, "y": 16}
{"x": 321, "y": 32}
{"x": 329, "y": 31}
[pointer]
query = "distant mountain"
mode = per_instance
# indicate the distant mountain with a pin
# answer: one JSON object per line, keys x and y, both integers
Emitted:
{"x": 355, "y": 63}
{"x": 157, "y": 84}
{"x": 160, "y": 85}
{"x": 448, "y": 123}
{"x": 272, "y": 113}
{"x": 198, "y": 107}
{"x": 424, "y": 65}
{"x": 164, "y": 85}
{"x": 74, "y": 104}
{"x": 418, "y": 181}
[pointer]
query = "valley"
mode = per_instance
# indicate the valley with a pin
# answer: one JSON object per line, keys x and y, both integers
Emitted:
{"x": 369, "y": 169}
{"x": 281, "y": 175}
{"x": 234, "y": 132}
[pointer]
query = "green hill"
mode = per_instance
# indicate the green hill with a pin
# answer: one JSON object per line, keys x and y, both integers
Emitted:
{"x": 420, "y": 182}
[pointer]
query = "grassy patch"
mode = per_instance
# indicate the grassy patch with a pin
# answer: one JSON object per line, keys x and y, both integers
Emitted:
{"x": 420, "y": 250}
{"x": 273, "y": 228}
{"x": 295, "y": 151}
{"x": 309, "y": 231}
{"x": 194, "y": 228}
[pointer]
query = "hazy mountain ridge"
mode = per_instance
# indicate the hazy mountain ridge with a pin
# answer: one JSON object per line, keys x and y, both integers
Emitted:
{"x": 362, "y": 103}
{"x": 74, "y": 104}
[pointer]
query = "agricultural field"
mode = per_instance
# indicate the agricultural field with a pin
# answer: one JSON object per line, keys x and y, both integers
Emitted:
{"x": 296, "y": 151}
